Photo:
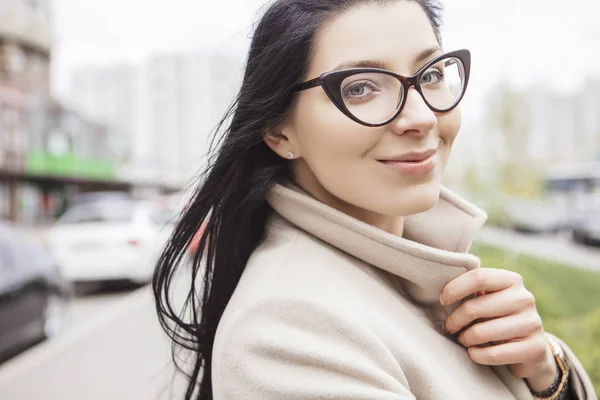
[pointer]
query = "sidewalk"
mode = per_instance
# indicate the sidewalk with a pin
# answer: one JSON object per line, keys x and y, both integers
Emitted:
{"x": 558, "y": 248}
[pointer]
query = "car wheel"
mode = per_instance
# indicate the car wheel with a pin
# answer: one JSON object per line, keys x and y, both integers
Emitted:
{"x": 54, "y": 315}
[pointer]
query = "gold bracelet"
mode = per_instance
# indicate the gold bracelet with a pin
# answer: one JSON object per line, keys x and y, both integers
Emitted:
{"x": 561, "y": 361}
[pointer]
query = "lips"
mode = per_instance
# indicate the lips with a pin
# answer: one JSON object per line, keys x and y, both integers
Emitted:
{"x": 412, "y": 163}
{"x": 411, "y": 157}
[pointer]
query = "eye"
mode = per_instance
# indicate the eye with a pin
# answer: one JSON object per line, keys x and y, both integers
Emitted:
{"x": 431, "y": 76}
{"x": 359, "y": 90}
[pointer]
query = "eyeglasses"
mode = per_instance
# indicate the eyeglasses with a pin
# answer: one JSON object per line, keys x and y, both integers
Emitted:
{"x": 375, "y": 97}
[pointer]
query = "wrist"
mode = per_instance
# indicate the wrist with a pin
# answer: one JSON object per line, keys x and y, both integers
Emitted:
{"x": 560, "y": 384}
{"x": 542, "y": 381}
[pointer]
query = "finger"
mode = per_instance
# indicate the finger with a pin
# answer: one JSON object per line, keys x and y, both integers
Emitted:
{"x": 530, "y": 351}
{"x": 492, "y": 305}
{"x": 503, "y": 329}
{"x": 487, "y": 279}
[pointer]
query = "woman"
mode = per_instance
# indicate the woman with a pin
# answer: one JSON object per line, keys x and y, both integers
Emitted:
{"x": 335, "y": 264}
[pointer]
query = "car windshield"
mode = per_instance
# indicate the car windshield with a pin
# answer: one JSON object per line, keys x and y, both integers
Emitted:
{"x": 163, "y": 215}
{"x": 101, "y": 212}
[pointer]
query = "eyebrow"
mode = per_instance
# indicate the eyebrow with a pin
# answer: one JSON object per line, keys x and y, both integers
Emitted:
{"x": 422, "y": 56}
{"x": 362, "y": 64}
{"x": 425, "y": 54}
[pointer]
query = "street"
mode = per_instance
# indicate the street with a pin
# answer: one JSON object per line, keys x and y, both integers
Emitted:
{"x": 559, "y": 248}
{"x": 113, "y": 347}
{"x": 126, "y": 128}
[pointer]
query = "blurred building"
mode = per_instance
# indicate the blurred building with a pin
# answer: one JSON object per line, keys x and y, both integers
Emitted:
{"x": 538, "y": 127}
{"x": 187, "y": 96}
{"x": 565, "y": 127}
{"x": 108, "y": 95}
{"x": 590, "y": 115}
{"x": 168, "y": 107}
{"x": 545, "y": 125}
{"x": 48, "y": 152}
{"x": 112, "y": 96}
{"x": 25, "y": 42}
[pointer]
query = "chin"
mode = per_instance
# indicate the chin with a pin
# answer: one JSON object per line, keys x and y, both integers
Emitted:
{"x": 414, "y": 199}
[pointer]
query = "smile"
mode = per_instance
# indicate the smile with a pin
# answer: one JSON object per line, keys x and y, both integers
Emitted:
{"x": 416, "y": 167}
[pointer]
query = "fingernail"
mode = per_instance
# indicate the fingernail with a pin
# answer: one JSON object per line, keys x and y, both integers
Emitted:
{"x": 442, "y": 301}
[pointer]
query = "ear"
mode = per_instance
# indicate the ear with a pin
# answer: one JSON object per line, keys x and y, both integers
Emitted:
{"x": 282, "y": 144}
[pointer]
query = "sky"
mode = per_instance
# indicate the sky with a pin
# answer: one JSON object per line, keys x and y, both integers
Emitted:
{"x": 552, "y": 42}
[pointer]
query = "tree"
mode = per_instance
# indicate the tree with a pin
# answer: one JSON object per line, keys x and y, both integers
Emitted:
{"x": 509, "y": 115}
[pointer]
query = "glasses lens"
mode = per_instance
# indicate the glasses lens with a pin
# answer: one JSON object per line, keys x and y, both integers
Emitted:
{"x": 372, "y": 97}
{"x": 443, "y": 83}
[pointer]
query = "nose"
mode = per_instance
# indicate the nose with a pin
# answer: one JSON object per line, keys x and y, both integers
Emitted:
{"x": 416, "y": 117}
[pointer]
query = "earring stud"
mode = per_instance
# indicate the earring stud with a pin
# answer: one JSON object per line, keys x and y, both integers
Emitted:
{"x": 290, "y": 155}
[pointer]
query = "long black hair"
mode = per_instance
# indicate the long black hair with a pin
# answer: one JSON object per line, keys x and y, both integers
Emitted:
{"x": 230, "y": 199}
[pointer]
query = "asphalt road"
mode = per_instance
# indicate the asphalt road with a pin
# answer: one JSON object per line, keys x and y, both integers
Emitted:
{"x": 112, "y": 348}
{"x": 556, "y": 247}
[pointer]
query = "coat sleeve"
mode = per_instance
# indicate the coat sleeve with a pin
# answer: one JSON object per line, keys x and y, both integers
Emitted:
{"x": 297, "y": 349}
{"x": 581, "y": 384}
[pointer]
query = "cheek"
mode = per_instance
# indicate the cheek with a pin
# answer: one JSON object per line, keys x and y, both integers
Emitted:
{"x": 449, "y": 125}
{"x": 448, "y": 128}
{"x": 326, "y": 136}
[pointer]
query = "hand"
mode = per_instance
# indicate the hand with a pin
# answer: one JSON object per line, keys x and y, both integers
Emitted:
{"x": 503, "y": 317}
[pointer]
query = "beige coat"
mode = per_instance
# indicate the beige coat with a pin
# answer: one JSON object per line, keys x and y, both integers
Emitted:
{"x": 329, "y": 307}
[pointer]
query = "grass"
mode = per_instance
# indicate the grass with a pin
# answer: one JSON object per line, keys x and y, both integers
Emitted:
{"x": 567, "y": 298}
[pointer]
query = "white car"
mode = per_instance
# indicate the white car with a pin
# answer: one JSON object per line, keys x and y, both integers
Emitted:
{"x": 537, "y": 216}
{"x": 111, "y": 240}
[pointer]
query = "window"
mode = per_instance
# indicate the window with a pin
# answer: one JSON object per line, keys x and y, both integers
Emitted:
{"x": 79, "y": 215}
{"x": 18, "y": 60}
{"x": 99, "y": 213}
{"x": 10, "y": 133}
{"x": 4, "y": 55}
{"x": 116, "y": 211}
{"x": 162, "y": 216}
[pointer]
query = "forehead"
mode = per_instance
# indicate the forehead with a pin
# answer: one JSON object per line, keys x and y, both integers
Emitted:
{"x": 394, "y": 33}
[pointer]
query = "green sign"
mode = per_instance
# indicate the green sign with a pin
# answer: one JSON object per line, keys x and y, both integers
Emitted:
{"x": 69, "y": 164}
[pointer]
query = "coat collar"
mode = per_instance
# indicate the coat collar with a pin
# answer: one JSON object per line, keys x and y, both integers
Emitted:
{"x": 432, "y": 252}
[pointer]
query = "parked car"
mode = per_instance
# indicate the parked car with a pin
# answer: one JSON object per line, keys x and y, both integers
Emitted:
{"x": 585, "y": 226}
{"x": 111, "y": 240}
{"x": 33, "y": 294}
{"x": 93, "y": 197}
{"x": 536, "y": 216}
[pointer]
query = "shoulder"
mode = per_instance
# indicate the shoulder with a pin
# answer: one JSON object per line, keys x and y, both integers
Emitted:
{"x": 289, "y": 346}
{"x": 292, "y": 267}
{"x": 293, "y": 329}
{"x": 291, "y": 262}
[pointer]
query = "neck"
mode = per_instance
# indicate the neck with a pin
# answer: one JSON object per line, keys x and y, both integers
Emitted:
{"x": 310, "y": 184}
